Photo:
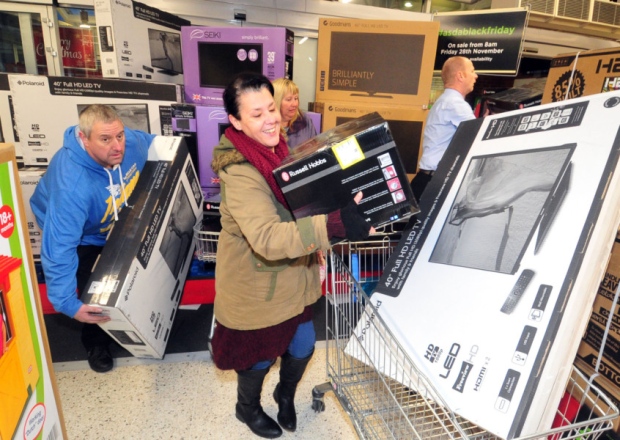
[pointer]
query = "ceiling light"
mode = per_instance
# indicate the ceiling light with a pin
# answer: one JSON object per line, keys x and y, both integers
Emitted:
{"x": 408, "y": 4}
{"x": 303, "y": 40}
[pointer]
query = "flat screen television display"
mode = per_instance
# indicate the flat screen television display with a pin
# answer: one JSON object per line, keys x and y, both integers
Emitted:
{"x": 502, "y": 200}
{"x": 177, "y": 240}
{"x": 376, "y": 65}
{"x": 165, "y": 49}
{"x": 218, "y": 63}
{"x": 407, "y": 136}
{"x": 134, "y": 116}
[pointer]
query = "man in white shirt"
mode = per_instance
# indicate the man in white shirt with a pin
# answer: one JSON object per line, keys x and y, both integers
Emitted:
{"x": 450, "y": 109}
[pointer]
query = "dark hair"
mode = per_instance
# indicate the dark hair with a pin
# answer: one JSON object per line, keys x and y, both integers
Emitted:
{"x": 242, "y": 83}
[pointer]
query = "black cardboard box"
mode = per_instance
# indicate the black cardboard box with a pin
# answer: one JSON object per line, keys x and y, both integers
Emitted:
{"x": 139, "y": 277}
{"x": 324, "y": 174}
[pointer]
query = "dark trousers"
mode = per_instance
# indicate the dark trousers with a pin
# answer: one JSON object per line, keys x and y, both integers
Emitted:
{"x": 418, "y": 184}
{"x": 92, "y": 334}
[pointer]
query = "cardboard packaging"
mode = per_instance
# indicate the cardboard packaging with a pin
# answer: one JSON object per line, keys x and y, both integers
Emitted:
{"x": 406, "y": 125}
{"x": 509, "y": 249}
{"x": 384, "y": 62}
{"x": 29, "y": 400}
{"x": 511, "y": 99}
{"x": 29, "y": 178}
{"x": 140, "y": 274}
{"x": 46, "y": 106}
{"x": 325, "y": 173}
{"x": 212, "y": 56}
{"x": 8, "y": 132}
{"x": 581, "y": 74}
{"x": 140, "y": 42}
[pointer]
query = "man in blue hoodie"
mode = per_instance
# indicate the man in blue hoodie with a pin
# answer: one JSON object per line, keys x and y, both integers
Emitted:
{"x": 75, "y": 203}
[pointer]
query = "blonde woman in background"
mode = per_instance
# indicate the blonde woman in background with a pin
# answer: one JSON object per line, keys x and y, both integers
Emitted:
{"x": 296, "y": 124}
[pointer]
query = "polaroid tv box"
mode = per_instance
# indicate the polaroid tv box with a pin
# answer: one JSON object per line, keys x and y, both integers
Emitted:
{"x": 29, "y": 178}
{"x": 383, "y": 62}
{"x": 203, "y": 126}
{"x": 406, "y": 125}
{"x": 324, "y": 173}
{"x": 139, "y": 277}
{"x": 8, "y": 132}
{"x": 45, "y": 106}
{"x": 212, "y": 56}
{"x": 581, "y": 74}
{"x": 140, "y": 42}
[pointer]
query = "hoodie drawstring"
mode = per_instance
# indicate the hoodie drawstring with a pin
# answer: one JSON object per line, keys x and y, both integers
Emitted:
{"x": 120, "y": 174}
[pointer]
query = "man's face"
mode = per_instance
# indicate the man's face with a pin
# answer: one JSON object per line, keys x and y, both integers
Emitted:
{"x": 106, "y": 144}
{"x": 470, "y": 76}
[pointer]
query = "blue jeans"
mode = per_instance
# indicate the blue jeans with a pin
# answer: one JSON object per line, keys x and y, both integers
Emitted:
{"x": 301, "y": 346}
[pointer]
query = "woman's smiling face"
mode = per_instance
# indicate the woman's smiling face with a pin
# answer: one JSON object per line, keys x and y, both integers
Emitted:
{"x": 259, "y": 117}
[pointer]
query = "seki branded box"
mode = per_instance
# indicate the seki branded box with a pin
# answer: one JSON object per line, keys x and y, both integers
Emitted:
{"x": 406, "y": 125}
{"x": 139, "y": 277}
{"x": 324, "y": 173}
{"x": 137, "y": 41}
{"x": 141, "y": 105}
{"x": 582, "y": 73}
{"x": 203, "y": 126}
{"x": 382, "y": 62}
{"x": 29, "y": 178}
{"x": 212, "y": 56}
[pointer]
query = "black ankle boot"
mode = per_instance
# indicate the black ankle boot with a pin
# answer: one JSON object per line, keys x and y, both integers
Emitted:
{"x": 249, "y": 409}
{"x": 291, "y": 370}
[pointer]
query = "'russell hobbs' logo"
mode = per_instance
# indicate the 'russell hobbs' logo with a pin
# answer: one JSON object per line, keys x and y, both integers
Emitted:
{"x": 30, "y": 83}
{"x": 287, "y": 175}
{"x": 200, "y": 34}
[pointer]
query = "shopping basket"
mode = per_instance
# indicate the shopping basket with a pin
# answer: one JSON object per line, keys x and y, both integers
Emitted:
{"x": 385, "y": 395}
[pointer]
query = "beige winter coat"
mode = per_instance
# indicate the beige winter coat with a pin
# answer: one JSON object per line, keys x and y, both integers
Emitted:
{"x": 267, "y": 268}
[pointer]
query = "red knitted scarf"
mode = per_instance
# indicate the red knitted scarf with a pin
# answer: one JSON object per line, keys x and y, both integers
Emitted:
{"x": 261, "y": 157}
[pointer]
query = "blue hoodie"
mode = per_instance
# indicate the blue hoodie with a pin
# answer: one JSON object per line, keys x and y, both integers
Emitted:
{"x": 75, "y": 203}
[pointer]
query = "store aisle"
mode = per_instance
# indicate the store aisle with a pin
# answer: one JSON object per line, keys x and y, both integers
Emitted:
{"x": 184, "y": 396}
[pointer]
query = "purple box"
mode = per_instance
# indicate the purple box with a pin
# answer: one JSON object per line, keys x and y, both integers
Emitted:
{"x": 202, "y": 126}
{"x": 212, "y": 56}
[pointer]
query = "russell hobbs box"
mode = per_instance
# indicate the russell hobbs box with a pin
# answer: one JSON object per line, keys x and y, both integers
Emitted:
{"x": 324, "y": 174}
{"x": 139, "y": 277}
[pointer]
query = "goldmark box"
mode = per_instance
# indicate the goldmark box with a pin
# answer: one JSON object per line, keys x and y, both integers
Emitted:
{"x": 324, "y": 174}
{"x": 140, "y": 274}
{"x": 376, "y": 61}
{"x": 137, "y": 41}
{"x": 406, "y": 125}
{"x": 46, "y": 106}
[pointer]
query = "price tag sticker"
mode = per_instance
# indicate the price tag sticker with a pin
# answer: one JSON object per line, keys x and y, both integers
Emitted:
{"x": 348, "y": 152}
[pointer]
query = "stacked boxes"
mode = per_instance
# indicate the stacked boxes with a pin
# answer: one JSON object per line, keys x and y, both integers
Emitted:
{"x": 29, "y": 178}
{"x": 126, "y": 28}
{"x": 139, "y": 276}
{"x": 141, "y": 105}
{"x": 383, "y": 66}
{"x": 325, "y": 173}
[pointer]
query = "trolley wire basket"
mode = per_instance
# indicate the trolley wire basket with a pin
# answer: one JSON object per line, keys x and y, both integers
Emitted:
{"x": 379, "y": 386}
{"x": 206, "y": 236}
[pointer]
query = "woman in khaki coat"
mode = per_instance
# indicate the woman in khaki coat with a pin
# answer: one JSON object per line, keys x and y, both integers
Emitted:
{"x": 267, "y": 271}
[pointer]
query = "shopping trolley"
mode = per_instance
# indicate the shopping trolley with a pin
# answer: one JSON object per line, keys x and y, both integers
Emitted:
{"x": 206, "y": 235}
{"x": 395, "y": 400}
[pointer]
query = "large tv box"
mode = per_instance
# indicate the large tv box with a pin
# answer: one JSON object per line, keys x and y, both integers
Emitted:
{"x": 324, "y": 173}
{"x": 137, "y": 41}
{"x": 212, "y": 56}
{"x": 45, "y": 106}
{"x": 139, "y": 277}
